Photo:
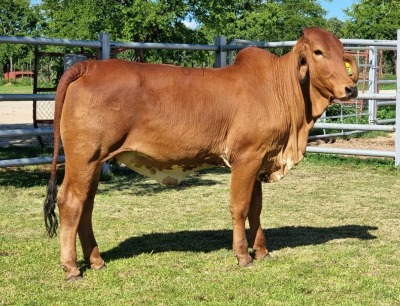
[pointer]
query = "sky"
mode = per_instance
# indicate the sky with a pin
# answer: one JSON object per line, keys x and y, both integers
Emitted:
{"x": 335, "y": 8}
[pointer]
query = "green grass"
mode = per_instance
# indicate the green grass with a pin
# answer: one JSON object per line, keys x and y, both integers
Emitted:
{"x": 15, "y": 89}
{"x": 388, "y": 86}
{"x": 332, "y": 226}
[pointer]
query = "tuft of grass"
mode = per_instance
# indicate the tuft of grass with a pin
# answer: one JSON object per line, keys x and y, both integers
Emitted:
{"x": 331, "y": 226}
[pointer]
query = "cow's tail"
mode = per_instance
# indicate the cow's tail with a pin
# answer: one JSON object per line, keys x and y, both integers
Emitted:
{"x": 50, "y": 217}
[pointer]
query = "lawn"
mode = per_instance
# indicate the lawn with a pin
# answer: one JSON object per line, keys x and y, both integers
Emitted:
{"x": 15, "y": 89}
{"x": 332, "y": 226}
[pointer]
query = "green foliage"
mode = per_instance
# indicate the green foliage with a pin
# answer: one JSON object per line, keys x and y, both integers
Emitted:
{"x": 373, "y": 19}
{"x": 166, "y": 21}
{"x": 386, "y": 112}
{"x": 335, "y": 26}
{"x": 81, "y": 19}
{"x": 257, "y": 20}
{"x": 17, "y": 17}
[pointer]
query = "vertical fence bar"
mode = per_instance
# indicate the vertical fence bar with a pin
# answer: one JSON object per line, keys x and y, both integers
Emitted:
{"x": 220, "y": 55}
{"x": 105, "y": 50}
{"x": 373, "y": 83}
{"x": 105, "y": 53}
{"x": 397, "y": 152}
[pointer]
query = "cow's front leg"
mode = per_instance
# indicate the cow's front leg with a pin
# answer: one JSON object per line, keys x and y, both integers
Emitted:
{"x": 257, "y": 234}
{"x": 242, "y": 182}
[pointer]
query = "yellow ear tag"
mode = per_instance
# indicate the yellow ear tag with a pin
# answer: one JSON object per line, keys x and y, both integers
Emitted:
{"x": 348, "y": 68}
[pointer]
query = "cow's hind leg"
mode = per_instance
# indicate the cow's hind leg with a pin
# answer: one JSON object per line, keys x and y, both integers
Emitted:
{"x": 75, "y": 204}
{"x": 257, "y": 234}
{"x": 90, "y": 248}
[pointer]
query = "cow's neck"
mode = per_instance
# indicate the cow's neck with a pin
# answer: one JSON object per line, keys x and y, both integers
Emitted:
{"x": 305, "y": 105}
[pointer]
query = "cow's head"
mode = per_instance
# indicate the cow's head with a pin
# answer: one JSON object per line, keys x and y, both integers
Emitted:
{"x": 326, "y": 72}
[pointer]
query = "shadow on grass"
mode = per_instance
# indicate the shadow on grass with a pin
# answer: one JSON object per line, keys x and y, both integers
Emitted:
{"x": 121, "y": 178}
{"x": 126, "y": 179}
{"x": 212, "y": 240}
{"x": 24, "y": 177}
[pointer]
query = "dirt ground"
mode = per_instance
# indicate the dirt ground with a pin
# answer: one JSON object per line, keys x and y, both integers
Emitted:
{"x": 19, "y": 115}
{"x": 16, "y": 115}
{"x": 386, "y": 143}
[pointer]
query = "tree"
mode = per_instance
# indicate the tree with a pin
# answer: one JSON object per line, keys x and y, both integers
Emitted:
{"x": 165, "y": 21}
{"x": 82, "y": 19}
{"x": 162, "y": 21}
{"x": 335, "y": 26}
{"x": 269, "y": 20}
{"x": 375, "y": 19}
{"x": 127, "y": 20}
{"x": 16, "y": 18}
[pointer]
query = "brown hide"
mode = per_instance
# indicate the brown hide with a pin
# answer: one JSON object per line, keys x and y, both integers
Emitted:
{"x": 165, "y": 121}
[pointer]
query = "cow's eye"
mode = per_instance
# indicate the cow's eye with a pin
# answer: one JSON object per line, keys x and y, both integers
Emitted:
{"x": 318, "y": 52}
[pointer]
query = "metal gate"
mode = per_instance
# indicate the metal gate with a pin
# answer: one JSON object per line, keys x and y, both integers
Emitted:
{"x": 48, "y": 69}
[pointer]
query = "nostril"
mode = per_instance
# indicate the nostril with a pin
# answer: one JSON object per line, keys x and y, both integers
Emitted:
{"x": 351, "y": 91}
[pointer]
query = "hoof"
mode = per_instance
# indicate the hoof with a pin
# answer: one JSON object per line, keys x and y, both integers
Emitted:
{"x": 245, "y": 261}
{"x": 262, "y": 256}
{"x": 73, "y": 278}
{"x": 72, "y": 274}
{"x": 265, "y": 257}
{"x": 98, "y": 267}
{"x": 96, "y": 264}
{"x": 249, "y": 265}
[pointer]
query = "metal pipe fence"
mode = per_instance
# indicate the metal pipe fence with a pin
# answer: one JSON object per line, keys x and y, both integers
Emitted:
{"x": 221, "y": 49}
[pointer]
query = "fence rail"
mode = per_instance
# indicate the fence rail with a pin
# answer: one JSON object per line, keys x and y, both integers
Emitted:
{"x": 220, "y": 49}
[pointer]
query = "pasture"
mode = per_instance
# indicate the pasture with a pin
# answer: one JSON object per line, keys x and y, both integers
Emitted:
{"x": 332, "y": 226}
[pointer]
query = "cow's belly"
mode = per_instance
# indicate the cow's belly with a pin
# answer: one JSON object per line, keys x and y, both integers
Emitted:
{"x": 168, "y": 175}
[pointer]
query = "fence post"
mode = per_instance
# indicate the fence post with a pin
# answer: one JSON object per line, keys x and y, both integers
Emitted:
{"x": 220, "y": 55}
{"x": 104, "y": 39}
{"x": 105, "y": 52}
{"x": 373, "y": 83}
{"x": 397, "y": 144}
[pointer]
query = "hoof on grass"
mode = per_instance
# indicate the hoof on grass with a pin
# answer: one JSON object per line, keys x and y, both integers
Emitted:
{"x": 246, "y": 261}
{"x": 98, "y": 267}
{"x": 73, "y": 278}
{"x": 263, "y": 257}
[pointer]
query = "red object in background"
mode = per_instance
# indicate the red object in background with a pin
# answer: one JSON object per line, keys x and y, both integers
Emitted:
{"x": 17, "y": 74}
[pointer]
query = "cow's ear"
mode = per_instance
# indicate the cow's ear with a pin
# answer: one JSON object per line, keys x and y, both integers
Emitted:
{"x": 303, "y": 68}
{"x": 351, "y": 66}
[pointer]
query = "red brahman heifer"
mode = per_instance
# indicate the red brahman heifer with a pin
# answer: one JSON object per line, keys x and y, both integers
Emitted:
{"x": 165, "y": 122}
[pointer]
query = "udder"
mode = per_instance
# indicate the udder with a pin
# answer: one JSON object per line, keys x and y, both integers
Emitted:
{"x": 164, "y": 174}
